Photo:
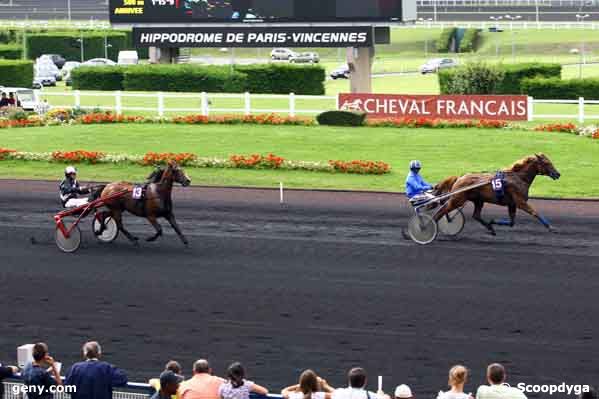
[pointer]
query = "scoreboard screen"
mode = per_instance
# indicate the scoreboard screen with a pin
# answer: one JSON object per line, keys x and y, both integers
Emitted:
{"x": 252, "y": 11}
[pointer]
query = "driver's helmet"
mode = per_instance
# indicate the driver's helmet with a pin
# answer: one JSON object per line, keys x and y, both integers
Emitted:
{"x": 70, "y": 170}
{"x": 415, "y": 165}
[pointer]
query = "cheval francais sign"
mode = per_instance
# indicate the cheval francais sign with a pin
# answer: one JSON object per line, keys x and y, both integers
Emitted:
{"x": 506, "y": 108}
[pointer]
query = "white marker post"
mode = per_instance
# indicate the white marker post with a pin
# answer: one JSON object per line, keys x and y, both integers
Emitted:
{"x": 281, "y": 199}
{"x": 380, "y": 383}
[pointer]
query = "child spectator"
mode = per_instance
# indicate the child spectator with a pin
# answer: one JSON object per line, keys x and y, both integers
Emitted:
{"x": 237, "y": 387}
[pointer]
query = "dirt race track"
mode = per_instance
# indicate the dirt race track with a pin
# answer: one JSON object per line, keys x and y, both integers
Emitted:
{"x": 325, "y": 281}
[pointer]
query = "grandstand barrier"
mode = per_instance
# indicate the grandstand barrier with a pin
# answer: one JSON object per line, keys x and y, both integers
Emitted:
{"x": 133, "y": 390}
{"x": 201, "y": 103}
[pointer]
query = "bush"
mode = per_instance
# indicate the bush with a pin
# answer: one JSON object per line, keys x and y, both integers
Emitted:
{"x": 283, "y": 79}
{"x": 445, "y": 40}
{"x": 469, "y": 42}
{"x": 341, "y": 118}
{"x": 193, "y": 78}
{"x": 67, "y": 44}
{"x": 472, "y": 78}
{"x": 15, "y": 73}
{"x": 11, "y": 51}
{"x": 97, "y": 78}
{"x": 516, "y": 73}
{"x": 555, "y": 88}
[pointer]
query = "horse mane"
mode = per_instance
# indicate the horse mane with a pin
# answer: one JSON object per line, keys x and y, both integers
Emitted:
{"x": 445, "y": 185}
{"x": 520, "y": 164}
{"x": 156, "y": 175}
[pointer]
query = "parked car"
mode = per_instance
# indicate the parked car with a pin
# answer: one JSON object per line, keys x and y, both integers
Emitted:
{"x": 46, "y": 63}
{"x": 68, "y": 67}
{"x": 27, "y": 97}
{"x": 311, "y": 58}
{"x": 341, "y": 72}
{"x": 99, "y": 62}
{"x": 128, "y": 57}
{"x": 44, "y": 76}
{"x": 56, "y": 59}
{"x": 434, "y": 65}
{"x": 282, "y": 54}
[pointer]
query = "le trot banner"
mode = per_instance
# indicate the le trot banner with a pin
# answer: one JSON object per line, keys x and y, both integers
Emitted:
{"x": 506, "y": 108}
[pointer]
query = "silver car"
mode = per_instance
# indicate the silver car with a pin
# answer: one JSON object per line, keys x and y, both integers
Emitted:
{"x": 311, "y": 58}
{"x": 436, "y": 64}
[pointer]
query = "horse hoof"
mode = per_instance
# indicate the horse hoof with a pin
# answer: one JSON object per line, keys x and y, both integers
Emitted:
{"x": 405, "y": 235}
{"x": 492, "y": 232}
{"x": 152, "y": 238}
{"x": 553, "y": 230}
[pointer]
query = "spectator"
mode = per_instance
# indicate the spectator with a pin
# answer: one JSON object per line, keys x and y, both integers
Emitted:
{"x": 169, "y": 385}
{"x": 203, "y": 385}
{"x": 458, "y": 375}
{"x": 4, "y": 101}
{"x": 237, "y": 387}
{"x": 403, "y": 392}
{"x": 173, "y": 366}
{"x": 11, "y": 99}
{"x": 41, "y": 375}
{"x": 93, "y": 378}
{"x": 357, "y": 379}
{"x": 497, "y": 389}
{"x": 591, "y": 394}
{"x": 310, "y": 386}
{"x": 6, "y": 372}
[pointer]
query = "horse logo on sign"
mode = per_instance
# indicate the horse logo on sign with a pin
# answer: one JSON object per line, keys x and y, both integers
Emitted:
{"x": 355, "y": 105}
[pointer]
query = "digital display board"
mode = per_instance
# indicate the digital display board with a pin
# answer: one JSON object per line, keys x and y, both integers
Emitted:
{"x": 254, "y": 11}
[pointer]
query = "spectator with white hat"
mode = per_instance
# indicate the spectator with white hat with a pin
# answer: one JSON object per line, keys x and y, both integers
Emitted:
{"x": 403, "y": 392}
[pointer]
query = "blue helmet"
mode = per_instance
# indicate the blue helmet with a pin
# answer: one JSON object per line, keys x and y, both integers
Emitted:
{"x": 415, "y": 164}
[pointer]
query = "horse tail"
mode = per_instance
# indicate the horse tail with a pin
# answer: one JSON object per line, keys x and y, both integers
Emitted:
{"x": 445, "y": 185}
{"x": 96, "y": 192}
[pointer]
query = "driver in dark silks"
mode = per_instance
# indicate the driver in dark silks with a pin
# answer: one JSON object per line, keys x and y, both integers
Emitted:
{"x": 70, "y": 190}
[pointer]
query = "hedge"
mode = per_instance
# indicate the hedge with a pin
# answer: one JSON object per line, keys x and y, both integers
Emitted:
{"x": 444, "y": 42}
{"x": 471, "y": 78}
{"x": 273, "y": 78}
{"x": 11, "y": 51}
{"x": 341, "y": 118}
{"x": 283, "y": 78}
{"x": 67, "y": 45}
{"x": 469, "y": 42}
{"x": 97, "y": 78}
{"x": 511, "y": 83}
{"x": 555, "y": 88}
{"x": 15, "y": 73}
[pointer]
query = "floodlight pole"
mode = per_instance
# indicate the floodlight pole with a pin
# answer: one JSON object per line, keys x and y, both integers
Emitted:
{"x": 496, "y": 19}
{"x": 69, "y": 10}
{"x": 512, "y": 19}
{"x": 581, "y": 19}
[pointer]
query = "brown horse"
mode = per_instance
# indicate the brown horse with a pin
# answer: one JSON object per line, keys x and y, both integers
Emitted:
{"x": 517, "y": 181}
{"x": 155, "y": 204}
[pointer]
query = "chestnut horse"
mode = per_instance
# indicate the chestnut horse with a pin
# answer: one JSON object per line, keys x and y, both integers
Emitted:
{"x": 517, "y": 181}
{"x": 156, "y": 203}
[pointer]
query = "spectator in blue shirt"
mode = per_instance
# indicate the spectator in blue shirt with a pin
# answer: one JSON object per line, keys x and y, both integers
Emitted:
{"x": 41, "y": 375}
{"x": 93, "y": 378}
{"x": 416, "y": 186}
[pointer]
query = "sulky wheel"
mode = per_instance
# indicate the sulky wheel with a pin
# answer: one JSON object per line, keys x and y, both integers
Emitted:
{"x": 422, "y": 229}
{"x": 452, "y": 224}
{"x": 111, "y": 230}
{"x": 72, "y": 242}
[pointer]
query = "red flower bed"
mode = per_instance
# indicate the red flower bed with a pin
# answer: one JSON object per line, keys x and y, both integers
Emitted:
{"x": 257, "y": 161}
{"x": 361, "y": 167}
{"x": 107, "y": 117}
{"x": 160, "y": 158}
{"x": 19, "y": 123}
{"x": 4, "y": 152}
{"x": 596, "y": 134}
{"x": 436, "y": 123}
{"x": 77, "y": 156}
{"x": 557, "y": 127}
{"x": 191, "y": 119}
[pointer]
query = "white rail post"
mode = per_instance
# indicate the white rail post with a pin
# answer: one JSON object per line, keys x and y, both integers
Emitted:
{"x": 580, "y": 109}
{"x": 292, "y": 105}
{"x": 77, "y": 95}
{"x": 160, "y": 104}
{"x": 530, "y": 106}
{"x": 247, "y": 103}
{"x": 118, "y": 109}
{"x": 204, "y": 103}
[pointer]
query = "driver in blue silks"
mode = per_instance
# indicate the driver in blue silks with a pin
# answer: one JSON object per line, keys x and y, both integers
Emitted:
{"x": 416, "y": 187}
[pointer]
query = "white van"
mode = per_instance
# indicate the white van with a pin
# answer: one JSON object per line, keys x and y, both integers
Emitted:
{"x": 128, "y": 57}
{"x": 27, "y": 97}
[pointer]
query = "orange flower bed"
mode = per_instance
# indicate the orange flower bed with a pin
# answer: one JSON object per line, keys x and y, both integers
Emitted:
{"x": 361, "y": 167}
{"x": 595, "y": 135}
{"x": 257, "y": 161}
{"x": 191, "y": 119}
{"x": 77, "y": 156}
{"x": 437, "y": 123}
{"x": 19, "y": 123}
{"x": 160, "y": 158}
{"x": 557, "y": 127}
{"x": 106, "y": 117}
{"x": 5, "y": 151}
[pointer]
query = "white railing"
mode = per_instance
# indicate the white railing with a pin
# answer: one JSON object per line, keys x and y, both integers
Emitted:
{"x": 577, "y": 108}
{"x": 504, "y": 25}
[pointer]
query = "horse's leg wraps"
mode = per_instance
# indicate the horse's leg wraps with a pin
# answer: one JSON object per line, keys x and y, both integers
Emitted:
{"x": 544, "y": 221}
{"x": 503, "y": 222}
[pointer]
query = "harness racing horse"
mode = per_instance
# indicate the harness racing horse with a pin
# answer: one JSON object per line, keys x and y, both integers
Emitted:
{"x": 156, "y": 202}
{"x": 517, "y": 180}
